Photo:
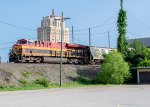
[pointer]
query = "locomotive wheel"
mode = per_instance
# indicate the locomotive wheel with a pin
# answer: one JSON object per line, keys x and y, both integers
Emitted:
{"x": 69, "y": 61}
{"x": 34, "y": 61}
{"x": 27, "y": 61}
{"x": 42, "y": 60}
{"x": 81, "y": 63}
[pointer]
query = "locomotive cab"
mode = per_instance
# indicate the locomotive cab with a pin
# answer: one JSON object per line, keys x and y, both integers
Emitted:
{"x": 24, "y": 42}
{"x": 16, "y": 52}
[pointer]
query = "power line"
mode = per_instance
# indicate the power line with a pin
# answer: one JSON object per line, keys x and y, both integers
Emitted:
{"x": 81, "y": 30}
{"x": 23, "y": 28}
{"x": 100, "y": 25}
{"x": 139, "y": 21}
{"x": 103, "y": 32}
{"x": 5, "y": 48}
{"x": 111, "y": 30}
{"x": 92, "y": 27}
{"x": 15, "y": 26}
{"x": 134, "y": 33}
{"x": 104, "y": 21}
{"x": 6, "y": 42}
{"x": 80, "y": 41}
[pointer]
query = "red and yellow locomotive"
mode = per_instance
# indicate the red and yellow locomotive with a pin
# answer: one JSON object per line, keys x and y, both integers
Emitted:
{"x": 27, "y": 51}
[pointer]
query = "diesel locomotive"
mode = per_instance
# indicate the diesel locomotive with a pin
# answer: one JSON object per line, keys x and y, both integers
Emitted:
{"x": 28, "y": 51}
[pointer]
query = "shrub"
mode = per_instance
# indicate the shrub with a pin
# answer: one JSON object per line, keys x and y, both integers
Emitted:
{"x": 84, "y": 80}
{"x": 42, "y": 81}
{"x": 114, "y": 69}
{"x": 144, "y": 63}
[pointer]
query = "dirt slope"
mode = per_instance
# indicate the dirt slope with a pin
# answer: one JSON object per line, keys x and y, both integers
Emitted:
{"x": 12, "y": 74}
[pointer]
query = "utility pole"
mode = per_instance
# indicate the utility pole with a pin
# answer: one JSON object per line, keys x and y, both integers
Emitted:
{"x": 62, "y": 34}
{"x": 72, "y": 35}
{"x": 108, "y": 39}
{"x": 89, "y": 36}
{"x": 61, "y": 51}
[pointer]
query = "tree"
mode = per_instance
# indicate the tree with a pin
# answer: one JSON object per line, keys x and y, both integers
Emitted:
{"x": 144, "y": 63}
{"x": 136, "y": 53}
{"x": 122, "y": 24}
{"x": 114, "y": 69}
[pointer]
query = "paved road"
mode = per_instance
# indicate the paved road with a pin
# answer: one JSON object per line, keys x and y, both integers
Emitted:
{"x": 102, "y": 96}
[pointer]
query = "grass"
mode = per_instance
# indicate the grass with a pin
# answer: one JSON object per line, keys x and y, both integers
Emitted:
{"x": 51, "y": 85}
{"x": 77, "y": 84}
{"x": 26, "y": 74}
{"x": 29, "y": 86}
{"x": 43, "y": 83}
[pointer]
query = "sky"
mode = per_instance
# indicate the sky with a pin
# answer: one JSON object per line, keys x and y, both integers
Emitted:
{"x": 21, "y": 18}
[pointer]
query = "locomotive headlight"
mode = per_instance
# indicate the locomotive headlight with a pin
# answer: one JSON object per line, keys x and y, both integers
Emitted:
{"x": 19, "y": 50}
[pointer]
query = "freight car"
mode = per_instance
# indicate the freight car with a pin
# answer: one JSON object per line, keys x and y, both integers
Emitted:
{"x": 27, "y": 51}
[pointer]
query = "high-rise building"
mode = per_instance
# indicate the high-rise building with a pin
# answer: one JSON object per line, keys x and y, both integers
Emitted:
{"x": 50, "y": 29}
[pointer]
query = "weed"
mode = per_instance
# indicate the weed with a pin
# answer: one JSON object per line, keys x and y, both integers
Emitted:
{"x": 1, "y": 69}
{"x": 26, "y": 74}
{"x": 84, "y": 80}
{"x": 23, "y": 81}
{"x": 42, "y": 81}
{"x": 39, "y": 73}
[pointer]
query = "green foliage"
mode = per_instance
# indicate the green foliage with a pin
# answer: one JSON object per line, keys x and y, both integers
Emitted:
{"x": 114, "y": 69}
{"x": 1, "y": 69}
{"x": 84, "y": 80}
{"x": 26, "y": 74}
{"x": 42, "y": 81}
{"x": 39, "y": 73}
{"x": 136, "y": 53}
{"x": 144, "y": 63}
{"x": 122, "y": 25}
{"x": 23, "y": 81}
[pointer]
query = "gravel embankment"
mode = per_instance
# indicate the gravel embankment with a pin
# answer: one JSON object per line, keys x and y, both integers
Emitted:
{"x": 11, "y": 73}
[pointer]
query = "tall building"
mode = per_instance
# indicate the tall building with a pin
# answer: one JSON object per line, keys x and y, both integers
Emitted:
{"x": 50, "y": 29}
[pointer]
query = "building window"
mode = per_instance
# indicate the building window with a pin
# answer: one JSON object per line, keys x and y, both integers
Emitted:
{"x": 54, "y": 22}
{"x": 57, "y": 24}
{"x": 60, "y": 23}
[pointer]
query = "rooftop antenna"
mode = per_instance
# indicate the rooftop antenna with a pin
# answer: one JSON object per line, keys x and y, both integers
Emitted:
{"x": 53, "y": 12}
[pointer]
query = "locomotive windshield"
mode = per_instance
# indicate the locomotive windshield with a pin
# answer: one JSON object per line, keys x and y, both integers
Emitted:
{"x": 22, "y": 42}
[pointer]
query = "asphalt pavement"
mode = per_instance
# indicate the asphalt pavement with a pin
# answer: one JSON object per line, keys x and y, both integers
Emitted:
{"x": 99, "y": 96}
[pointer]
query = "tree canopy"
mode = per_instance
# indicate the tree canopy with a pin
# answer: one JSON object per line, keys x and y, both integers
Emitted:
{"x": 136, "y": 53}
{"x": 122, "y": 25}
